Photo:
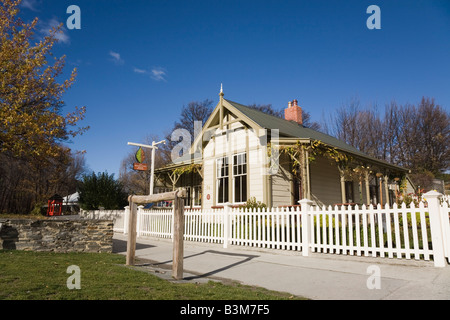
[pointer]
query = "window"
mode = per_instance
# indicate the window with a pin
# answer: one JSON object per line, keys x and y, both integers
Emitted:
{"x": 197, "y": 196}
{"x": 222, "y": 180}
{"x": 187, "y": 200}
{"x": 349, "y": 192}
{"x": 240, "y": 177}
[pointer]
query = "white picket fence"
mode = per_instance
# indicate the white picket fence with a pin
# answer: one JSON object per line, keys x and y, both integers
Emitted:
{"x": 421, "y": 233}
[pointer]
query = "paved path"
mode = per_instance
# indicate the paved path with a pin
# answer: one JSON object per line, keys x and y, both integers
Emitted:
{"x": 320, "y": 276}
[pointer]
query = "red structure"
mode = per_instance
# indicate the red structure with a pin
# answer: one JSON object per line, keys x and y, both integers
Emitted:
{"x": 55, "y": 204}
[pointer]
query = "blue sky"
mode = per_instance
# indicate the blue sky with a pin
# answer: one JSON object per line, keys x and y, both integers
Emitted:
{"x": 140, "y": 61}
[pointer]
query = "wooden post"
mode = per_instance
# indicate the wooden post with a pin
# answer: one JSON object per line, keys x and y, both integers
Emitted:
{"x": 343, "y": 195}
{"x": 308, "y": 179}
{"x": 178, "y": 196}
{"x": 131, "y": 244}
{"x": 381, "y": 189}
{"x": 304, "y": 194}
{"x": 366, "y": 180}
{"x": 386, "y": 189}
{"x": 178, "y": 238}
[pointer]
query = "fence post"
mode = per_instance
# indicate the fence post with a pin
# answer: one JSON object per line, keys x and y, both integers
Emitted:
{"x": 226, "y": 224}
{"x": 437, "y": 235}
{"x": 446, "y": 228}
{"x": 139, "y": 219}
{"x": 306, "y": 233}
{"x": 126, "y": 216}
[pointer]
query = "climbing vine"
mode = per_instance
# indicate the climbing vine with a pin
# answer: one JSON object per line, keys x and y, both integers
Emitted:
{"x": 187, "y": 169}
{"x": 315, "y": 148}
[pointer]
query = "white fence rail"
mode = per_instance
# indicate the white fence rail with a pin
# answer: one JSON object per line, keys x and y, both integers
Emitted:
{"x": 420, "y": 233}
{"x": 384, "y": 232}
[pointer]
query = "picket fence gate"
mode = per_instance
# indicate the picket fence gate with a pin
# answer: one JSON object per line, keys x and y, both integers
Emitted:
{"x": 405, "y": 232}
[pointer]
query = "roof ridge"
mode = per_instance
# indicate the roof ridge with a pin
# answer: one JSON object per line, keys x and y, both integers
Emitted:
{"x": 308, "y": 131}
{"x": 256, "y": 110}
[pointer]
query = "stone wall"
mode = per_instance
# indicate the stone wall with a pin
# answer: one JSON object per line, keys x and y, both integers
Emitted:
{"x": 59, "y": 235}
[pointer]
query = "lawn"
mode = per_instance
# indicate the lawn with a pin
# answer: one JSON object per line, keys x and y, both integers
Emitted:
{"x": 26, "y": 275}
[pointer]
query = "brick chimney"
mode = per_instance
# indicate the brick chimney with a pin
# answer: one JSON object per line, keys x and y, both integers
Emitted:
{"x": 293, "y": 112}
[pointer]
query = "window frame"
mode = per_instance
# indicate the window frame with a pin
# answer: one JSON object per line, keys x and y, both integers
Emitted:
{"x": 222, "y": 163}
{"x": 239, "y": 171}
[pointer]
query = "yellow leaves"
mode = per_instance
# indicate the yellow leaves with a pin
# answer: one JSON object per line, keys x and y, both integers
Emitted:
{"x": 187, "y": 169}
{"x": 30, "y": 104}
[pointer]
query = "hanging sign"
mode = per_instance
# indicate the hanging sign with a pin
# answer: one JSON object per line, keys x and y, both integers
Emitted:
{"x": 140, "y": 156}
{"x": 140, "y": 166}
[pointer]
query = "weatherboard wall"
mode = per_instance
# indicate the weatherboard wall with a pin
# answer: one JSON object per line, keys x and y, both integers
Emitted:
{"x": 226, "y": 143}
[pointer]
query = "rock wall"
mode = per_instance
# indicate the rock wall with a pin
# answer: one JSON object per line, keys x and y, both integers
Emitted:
{"x": 61, "y": 235}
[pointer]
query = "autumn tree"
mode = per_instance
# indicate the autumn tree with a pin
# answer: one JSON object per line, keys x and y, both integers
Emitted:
{"x": 32, "y": 125}
{"x": 30, "y": 97}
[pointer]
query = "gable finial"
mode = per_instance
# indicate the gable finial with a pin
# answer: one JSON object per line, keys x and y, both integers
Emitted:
{"x": 221, "y": 90}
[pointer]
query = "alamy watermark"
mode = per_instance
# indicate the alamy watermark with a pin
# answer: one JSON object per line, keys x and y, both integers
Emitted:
{"x": 263, "y": 145}
{"x": 374, "y": 21}
{"x": 374, "y": 280}
{"x": 74, "y": 21}
{"x": 74, "y": 281}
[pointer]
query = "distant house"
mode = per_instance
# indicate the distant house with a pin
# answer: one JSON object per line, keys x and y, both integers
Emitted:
{"x": 71, "y": 203}
{"x": 243, "y": 153}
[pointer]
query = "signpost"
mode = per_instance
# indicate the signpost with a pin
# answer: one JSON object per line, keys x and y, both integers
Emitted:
{"x": 178, "y": 212}
{"x": 140, "y": 157}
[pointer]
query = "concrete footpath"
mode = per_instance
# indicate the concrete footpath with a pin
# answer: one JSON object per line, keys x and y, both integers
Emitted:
{"x": 319, "y": 276}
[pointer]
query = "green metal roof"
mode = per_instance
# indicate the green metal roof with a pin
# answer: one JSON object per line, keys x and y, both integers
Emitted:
{"x": 292, "y": 129}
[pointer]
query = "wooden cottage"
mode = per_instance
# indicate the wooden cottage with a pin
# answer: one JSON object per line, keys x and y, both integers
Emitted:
{"x": 243, "y": 153}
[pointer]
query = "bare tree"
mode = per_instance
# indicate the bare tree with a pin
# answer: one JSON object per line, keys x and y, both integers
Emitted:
{"x": 432, "y": 139}
{"x": 25, "y": 185}
{"x": 416, "y": 137}
{"x": 195, "y": 111}
{"x": 136, "y": 181}
{"x": 358, "y": 127}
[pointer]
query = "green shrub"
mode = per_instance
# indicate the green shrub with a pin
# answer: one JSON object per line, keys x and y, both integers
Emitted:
{"x": 253, "y": 204}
